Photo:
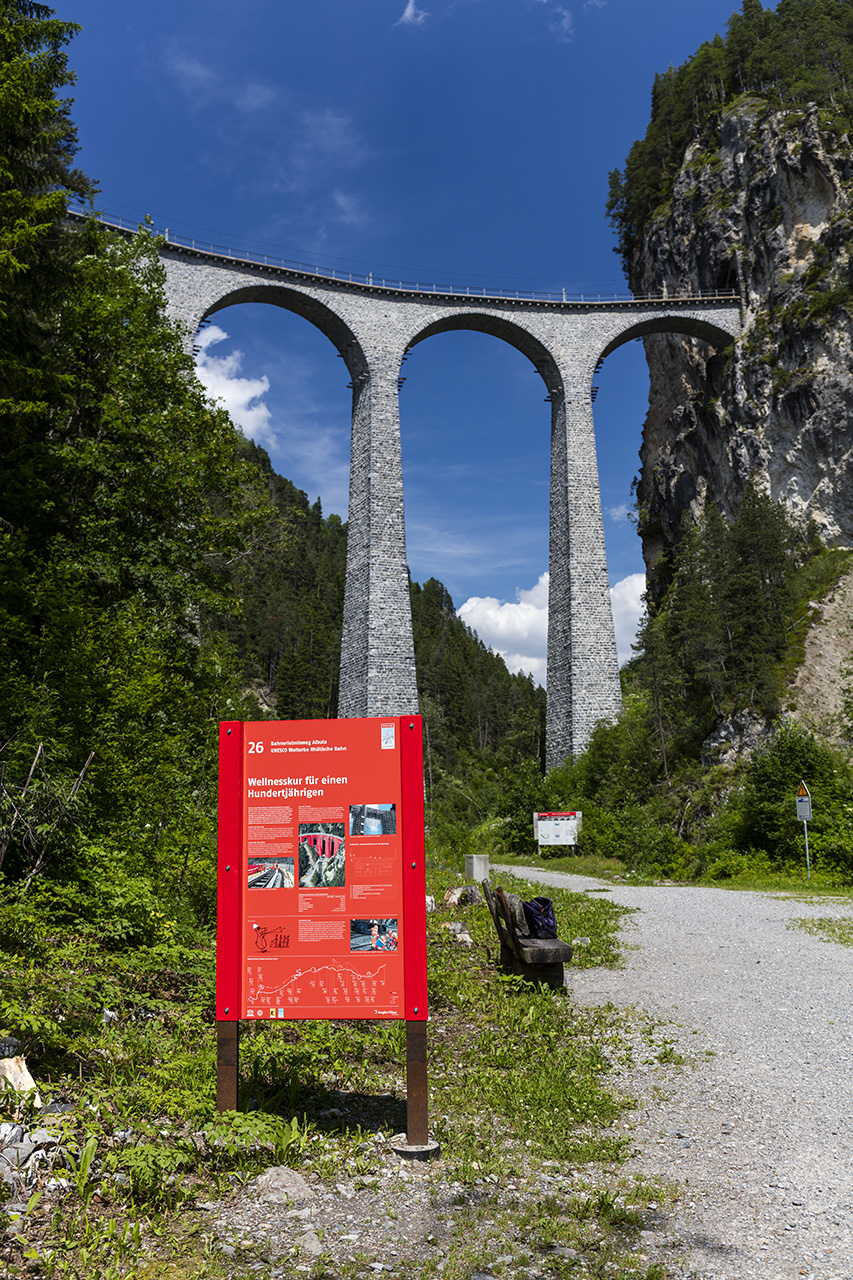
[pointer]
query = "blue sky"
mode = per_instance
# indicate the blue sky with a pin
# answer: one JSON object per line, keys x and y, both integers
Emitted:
{"x": 461, "y": 141}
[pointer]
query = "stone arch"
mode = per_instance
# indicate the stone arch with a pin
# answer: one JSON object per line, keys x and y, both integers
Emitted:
{"x": 509, "y": 331}
{"x": 317, "y": 313}
{"x": 667, "y": 325}
{"x": 689, "y": 326}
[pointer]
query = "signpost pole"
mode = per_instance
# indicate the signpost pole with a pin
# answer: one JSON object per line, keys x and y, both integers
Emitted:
{"x": 227, "y": 1065}
{"x": 228, "y": 955}
{"x": 417, "y": 1093}
{"x": 804, "y": 813}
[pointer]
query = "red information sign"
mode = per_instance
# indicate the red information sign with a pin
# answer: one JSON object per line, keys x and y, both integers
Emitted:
{"x": 321, "y": 870}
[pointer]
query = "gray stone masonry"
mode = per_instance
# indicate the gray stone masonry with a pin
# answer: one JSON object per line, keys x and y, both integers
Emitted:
{"x": 373, "y": 326}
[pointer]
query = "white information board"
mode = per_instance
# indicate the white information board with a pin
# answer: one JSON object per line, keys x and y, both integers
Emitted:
{"x": 557, "y": 828}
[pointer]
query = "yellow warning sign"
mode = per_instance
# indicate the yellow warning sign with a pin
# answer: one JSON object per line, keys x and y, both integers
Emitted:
{"x": 802, "y": 791}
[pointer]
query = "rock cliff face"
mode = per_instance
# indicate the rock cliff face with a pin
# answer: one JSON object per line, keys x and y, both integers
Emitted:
{"x": 769, "y": 210}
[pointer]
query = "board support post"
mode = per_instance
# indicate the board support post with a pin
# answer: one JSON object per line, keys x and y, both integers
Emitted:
{"x": 227, "y": 1065}
{"x": 417, "y": 1092}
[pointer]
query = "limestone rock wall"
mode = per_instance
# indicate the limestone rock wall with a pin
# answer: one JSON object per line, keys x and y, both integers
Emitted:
{"x": 766, "y": 206}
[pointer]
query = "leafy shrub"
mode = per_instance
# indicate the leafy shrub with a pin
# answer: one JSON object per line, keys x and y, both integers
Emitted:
{"x": 761, "y": 815}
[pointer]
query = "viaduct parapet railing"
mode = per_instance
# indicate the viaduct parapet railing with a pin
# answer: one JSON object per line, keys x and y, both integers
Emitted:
{"x": 374, "y": 326}
{"x": 374, "y": 282}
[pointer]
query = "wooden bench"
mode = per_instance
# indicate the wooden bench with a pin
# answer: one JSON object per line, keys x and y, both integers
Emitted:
{"x": 534, "y": 959}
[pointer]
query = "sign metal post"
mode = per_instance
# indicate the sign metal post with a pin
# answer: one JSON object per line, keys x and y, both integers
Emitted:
{"x": 804, "y": 813}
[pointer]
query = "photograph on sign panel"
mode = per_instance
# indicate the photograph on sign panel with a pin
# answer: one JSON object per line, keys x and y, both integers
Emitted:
{"x": 373, "y": 935}
{"x": 271, "y": 873}
{"x": 373, "y": 820}
{"x": 322, "y": 857}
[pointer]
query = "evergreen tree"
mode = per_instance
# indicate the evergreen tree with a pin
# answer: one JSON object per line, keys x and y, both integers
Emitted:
{"x": 113, "y": 573}
{"x": 37, "y": 147}
{"x": 291, "y": 584}
{"x": 712, "y": 646}
{"x": 799, "y": 53}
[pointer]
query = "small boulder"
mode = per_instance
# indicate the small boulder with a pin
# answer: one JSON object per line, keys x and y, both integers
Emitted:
{"x": 17, "y": 1154}
{"x": 463, "y": 895}
{"x": 309, "y": 1244}
{"x": 43, "y": 1138}
{"x": 458, "y": 931}
{"x": 14, "y": 1075}
{"x": 281, "y": 1185}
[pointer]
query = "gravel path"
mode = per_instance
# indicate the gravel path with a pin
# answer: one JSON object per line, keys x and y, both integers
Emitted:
{"x": 759, "y": 1131}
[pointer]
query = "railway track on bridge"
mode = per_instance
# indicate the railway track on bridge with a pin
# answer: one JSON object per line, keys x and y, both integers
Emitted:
{"x": 374, "y": 283}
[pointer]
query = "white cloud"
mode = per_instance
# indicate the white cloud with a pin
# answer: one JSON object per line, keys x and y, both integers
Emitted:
{"x": 519, "y": 631}
{"x": 304, "y": 440}
{"x": 262, "y": 140}
{"x": 412, "y": 16}
{"x": 204, "y": 84}
{"x": 327, "y": 136}
{"x": 255, "y": 97}
{"x": 626, "y": 599}
{"x": 315, "y": 456}
{"x": 241, "y": 397}
{"x": 562, "y": 24}
{"x": 194, "y": 78}
{"x": 561, "y": 21}
{"x": 319, "y": 149}
{"x": 621, "y": 514}
{"x": 350, "y": 209}
{"x": 444, "y": 544}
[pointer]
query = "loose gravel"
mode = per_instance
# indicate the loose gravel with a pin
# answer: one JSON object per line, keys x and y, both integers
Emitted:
{"x": 757, "y": 1128}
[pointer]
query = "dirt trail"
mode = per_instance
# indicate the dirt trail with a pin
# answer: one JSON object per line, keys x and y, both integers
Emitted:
{"x": 758, "y": 1126}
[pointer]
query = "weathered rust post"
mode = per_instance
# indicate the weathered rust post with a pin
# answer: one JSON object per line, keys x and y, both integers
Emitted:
{"x": 227, "y": 1065}
{"x": 417, "y": 1095}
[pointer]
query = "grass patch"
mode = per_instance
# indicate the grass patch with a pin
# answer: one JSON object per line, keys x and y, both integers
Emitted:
{"x": 828, "y": 930}
{"x": 531, "y": 1061}
{"x": 578, "y": 916}
{"x": 788, "y": 883}
{"x": 743, "y": 873}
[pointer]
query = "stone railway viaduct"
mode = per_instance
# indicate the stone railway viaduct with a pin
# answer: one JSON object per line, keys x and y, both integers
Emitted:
{"x": 373, "y": 325}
